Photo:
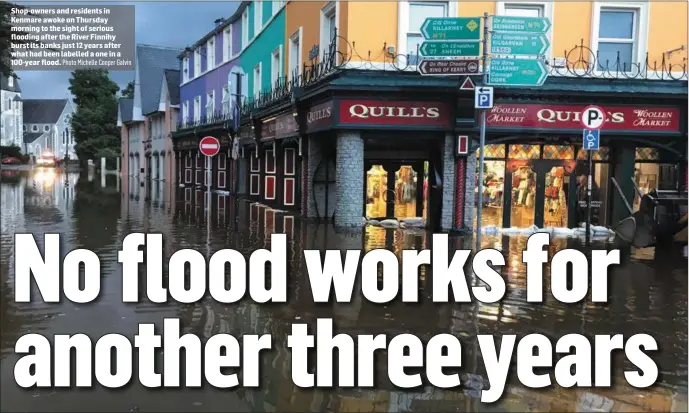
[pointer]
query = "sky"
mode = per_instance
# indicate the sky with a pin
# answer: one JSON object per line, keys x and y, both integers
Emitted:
{"x": 175, "y": 24}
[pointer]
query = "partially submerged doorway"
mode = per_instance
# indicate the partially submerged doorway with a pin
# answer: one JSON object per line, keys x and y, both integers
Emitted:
{"x": 396, "y": 189}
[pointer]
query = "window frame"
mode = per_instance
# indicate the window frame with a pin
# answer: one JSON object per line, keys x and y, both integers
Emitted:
{"x": 227, "y": 47}
{"x": 197, "y": 108}
{"x": 185, "y": 69}
{"x": 548, "y": 8}
{"x": 640, "y": 46}
{"x": 185, "y": 112}
{"x": 245, "y": 28}
{"x": 10, "y": 81}
{"x": 258, "y": 17}
{"x": 257, "y": 89}
{"x": 403, "y": 23}
{"x": 210, "y": 54}
{"x": 210, "y": 103}
{"x": 330, "y": 10}
{"x": 225, "y": 101}
{"x": 277, "y": 5}
{"x": 274, "y": 77}
{"x": 296, "y": 36}
{"x": 197, "y": 62}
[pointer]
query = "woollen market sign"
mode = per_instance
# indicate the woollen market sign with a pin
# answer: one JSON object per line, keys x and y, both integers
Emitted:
{"x": 619, "y": 118}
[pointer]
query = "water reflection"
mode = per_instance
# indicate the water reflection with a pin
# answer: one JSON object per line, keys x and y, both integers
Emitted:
{"x": 646, "y": 297}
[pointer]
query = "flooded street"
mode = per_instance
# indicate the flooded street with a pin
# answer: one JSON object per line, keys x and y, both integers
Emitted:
{"x": 647, "y": 297}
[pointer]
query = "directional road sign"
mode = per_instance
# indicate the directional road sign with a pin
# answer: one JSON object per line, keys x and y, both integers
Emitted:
{"x": 592, "y": 117}
{"x": 517, "y": 72}
{"x": 450, "y": 49}
{"x": 451, "y": 28}
{"x": 209, "y": 146}
{"x": 448, "y": 67}
{"x": 519, "y": 43}
{"x": 516, "y": 24}
{"x": 591, "y": 139}
{"x": 483, "y": 97}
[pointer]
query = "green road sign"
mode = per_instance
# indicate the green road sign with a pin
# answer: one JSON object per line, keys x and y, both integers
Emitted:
{"x": 520, "y": 24}
{"x": 517, "y": 72}
{"x": 450, "y": 49}
{"x": 519, "y": 43}
{"x": 451, "y": 28}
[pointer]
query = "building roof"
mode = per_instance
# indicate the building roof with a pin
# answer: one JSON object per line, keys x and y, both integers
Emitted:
{"x": 126, "y": 109}
{"x": 4, "y": 85}
{"x": 173, "y": 80}
{"x": 43, "y": 110}
{"x": 29, "y": 137}
{"x": 152, "y": 63}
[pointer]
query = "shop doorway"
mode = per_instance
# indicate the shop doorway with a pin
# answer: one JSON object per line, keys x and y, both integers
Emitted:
{"x": 540, "y": 193}
{"x": 395, "y": 189}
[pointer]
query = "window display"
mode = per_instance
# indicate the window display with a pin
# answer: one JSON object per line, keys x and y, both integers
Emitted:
{"x": 376, "y": 192}
{"x": 405, "y": 192}
{"x": 599, "y": 193}
{"x": 556, "y": 189}
{"x": 523, "y": 197}
{"x": 493, "y": 195}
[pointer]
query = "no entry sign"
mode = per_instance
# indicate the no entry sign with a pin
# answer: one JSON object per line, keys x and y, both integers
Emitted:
{"x": 209, "y": 146}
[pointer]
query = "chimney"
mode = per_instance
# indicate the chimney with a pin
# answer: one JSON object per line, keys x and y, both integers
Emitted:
{"x": 219, "y": 21}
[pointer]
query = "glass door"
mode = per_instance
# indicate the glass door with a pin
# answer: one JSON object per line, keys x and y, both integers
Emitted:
{"x": 394, "y": 190}
{"x": 377, "y": 191}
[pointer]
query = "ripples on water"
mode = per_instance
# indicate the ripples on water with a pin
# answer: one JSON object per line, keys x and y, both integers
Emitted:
{"x": 647, "y": 297}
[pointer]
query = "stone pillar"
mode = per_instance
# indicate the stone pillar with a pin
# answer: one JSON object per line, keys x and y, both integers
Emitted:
{"x": 448, "y": 203}
{"x": 469, "y": 188}
{"x": 349, "y": 172}
{"x": 315, "y": 204}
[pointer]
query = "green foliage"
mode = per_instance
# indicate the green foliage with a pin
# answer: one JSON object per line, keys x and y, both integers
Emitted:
{"x": 12, "y": 150}
{"x": 94, "y": 122}
{"x": 5, "y": 31}
{"x": 128, "y": 91}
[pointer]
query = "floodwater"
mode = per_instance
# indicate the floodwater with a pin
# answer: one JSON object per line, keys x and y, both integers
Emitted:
{"x": 647, "y": 297}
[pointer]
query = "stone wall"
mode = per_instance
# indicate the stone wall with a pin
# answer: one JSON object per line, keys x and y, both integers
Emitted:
{"x": 350, "y": 179}
{"x": 447, "y": 211}
{"x": 469, "y": 194}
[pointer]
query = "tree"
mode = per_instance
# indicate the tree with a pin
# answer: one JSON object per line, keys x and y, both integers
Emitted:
{"x": 128, "y": 91}
{"x": 94, "y": 122}
{"x": 6, "y": 40}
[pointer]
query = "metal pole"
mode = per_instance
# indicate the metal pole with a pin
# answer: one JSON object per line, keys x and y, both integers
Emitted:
{"x": 588, "y": 198}
{"x": 482, "y": 137}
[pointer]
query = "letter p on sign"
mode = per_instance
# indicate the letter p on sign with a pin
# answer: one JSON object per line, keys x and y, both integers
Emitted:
{"x": 592, "y": 117}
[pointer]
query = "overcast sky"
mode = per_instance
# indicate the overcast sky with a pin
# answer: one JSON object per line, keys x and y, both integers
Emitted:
{"x": 175, "y": 24}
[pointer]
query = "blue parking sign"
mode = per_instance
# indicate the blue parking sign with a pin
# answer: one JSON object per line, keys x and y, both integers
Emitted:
{"x": 591, "y": 139}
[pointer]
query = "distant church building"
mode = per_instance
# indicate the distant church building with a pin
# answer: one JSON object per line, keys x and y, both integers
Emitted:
{"x": 11, "y": 112}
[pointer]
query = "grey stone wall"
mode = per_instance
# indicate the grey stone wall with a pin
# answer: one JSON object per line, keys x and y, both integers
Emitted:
{"x": 350, "y": 179}
{"x": 447, "y": 211}
{"x": 469, "y": 194}
{"x": 315, "y": 202}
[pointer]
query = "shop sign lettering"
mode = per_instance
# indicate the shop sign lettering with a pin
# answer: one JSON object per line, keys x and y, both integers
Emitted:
{"x": 373, "y": 112}
{"x": 285, "y": 125}
{"x": 627, "y": 118}
{"x": 319, "y": 117}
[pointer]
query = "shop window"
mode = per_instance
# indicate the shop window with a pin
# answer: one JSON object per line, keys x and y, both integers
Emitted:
{"x": 558, "y": 152}
{"x": 376, "y": 192}
{"x": 199, "y": 161}
{"x": 520, "y": 151}
{"x": 406, "y": 179}
{"x": 647, "y": 154}
{"x": 290, "y": 160}
{"x": 493, "y": 186}
{"x": 255, "y": 162}
{"x": 602, "y": 154}
{"x": 269, "y": 187}
{"x": 652, "y": 175}
{"x": 255, "y": 184}
{"x": 496, "y": 151}
{"x": 555, "y": 206}
{"x": 523, "y": 213}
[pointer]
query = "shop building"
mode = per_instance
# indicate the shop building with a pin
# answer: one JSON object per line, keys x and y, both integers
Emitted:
{"x": 536, "y": 168}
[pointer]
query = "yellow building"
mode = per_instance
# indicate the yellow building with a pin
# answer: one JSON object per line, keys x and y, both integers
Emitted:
{"x": 634, "y": 29}
{"x": 378, "y": 140}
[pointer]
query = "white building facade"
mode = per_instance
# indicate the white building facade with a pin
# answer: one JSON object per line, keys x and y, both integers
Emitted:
{"x": 11, "y": 112}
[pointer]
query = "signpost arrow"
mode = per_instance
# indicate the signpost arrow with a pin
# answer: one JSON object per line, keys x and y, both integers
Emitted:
{"x": 451, "y": 28}
{"x": 519, "y": 43}
{"x": 448, "y": 67}
{"x": 521, "y": 24}
{"x": 450, "y": 49}
{"x": 517, "y": 72}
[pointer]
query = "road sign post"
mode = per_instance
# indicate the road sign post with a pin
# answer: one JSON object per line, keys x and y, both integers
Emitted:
{"x": 522, "y": 44}
{"x": 448, "y": 67}
{"x": 483, "y": 97}
{"x": 446, "y": 37}
{"x": 482, "y": 133}
{"x": 452, "y": 28}
{"x": 460, "y": 48}
{"x": 592, "y": 119}
{"x": 209, "y": 146}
